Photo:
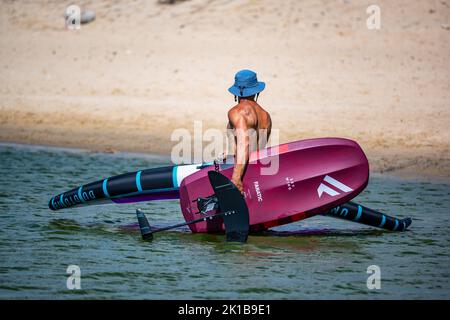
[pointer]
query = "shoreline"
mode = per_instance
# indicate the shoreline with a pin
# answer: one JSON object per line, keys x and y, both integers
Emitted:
{"x": 144, "y": 125}
{"x": 405, "y": 173}
{"x": 57, "y": 148}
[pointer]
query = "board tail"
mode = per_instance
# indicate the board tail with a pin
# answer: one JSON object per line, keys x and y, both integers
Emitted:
{"x": 233, "y": 212}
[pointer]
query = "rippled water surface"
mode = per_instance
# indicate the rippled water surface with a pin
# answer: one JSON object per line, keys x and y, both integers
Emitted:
{"x": 320, "y": 258}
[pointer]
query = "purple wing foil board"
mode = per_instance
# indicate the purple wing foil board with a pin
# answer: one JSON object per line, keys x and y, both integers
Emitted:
{"x": 312, "y": 176}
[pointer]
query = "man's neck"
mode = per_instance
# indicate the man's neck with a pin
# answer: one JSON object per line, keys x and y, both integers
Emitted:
{"x": 246, "y": 99}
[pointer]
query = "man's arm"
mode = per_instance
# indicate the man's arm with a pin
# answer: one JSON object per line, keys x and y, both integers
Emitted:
{"x": 231, "y": 150}
{"x": 238, "y": 121}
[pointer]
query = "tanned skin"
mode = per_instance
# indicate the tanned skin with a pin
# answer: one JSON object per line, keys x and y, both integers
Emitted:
{"x": 250, "y": 122}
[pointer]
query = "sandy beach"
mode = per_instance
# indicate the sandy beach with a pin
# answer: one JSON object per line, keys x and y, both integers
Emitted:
{"x": 143, "y": 69}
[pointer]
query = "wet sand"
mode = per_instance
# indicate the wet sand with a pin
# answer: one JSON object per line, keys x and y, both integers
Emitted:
{"x": 139, "y": 71}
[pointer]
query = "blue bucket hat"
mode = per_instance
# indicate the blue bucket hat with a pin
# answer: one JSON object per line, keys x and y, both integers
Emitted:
{"x": 246, "y": 84}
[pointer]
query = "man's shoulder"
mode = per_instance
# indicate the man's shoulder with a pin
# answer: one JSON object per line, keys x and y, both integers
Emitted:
{"x": 240, "y": 111}
{"x": 236, "y": 109}
{"x": 261, "y": 108}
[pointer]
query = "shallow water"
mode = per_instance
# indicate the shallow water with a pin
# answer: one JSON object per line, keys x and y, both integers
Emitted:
{"x": 319, "y": 258}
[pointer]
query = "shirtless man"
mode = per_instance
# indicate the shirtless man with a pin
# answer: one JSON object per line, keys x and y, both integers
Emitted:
{"x": 250, "y": 123}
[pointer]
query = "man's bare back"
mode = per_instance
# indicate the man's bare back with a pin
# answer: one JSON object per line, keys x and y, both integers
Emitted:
{"x": 251, "y": 126}
{"x": 249, "y": 115}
